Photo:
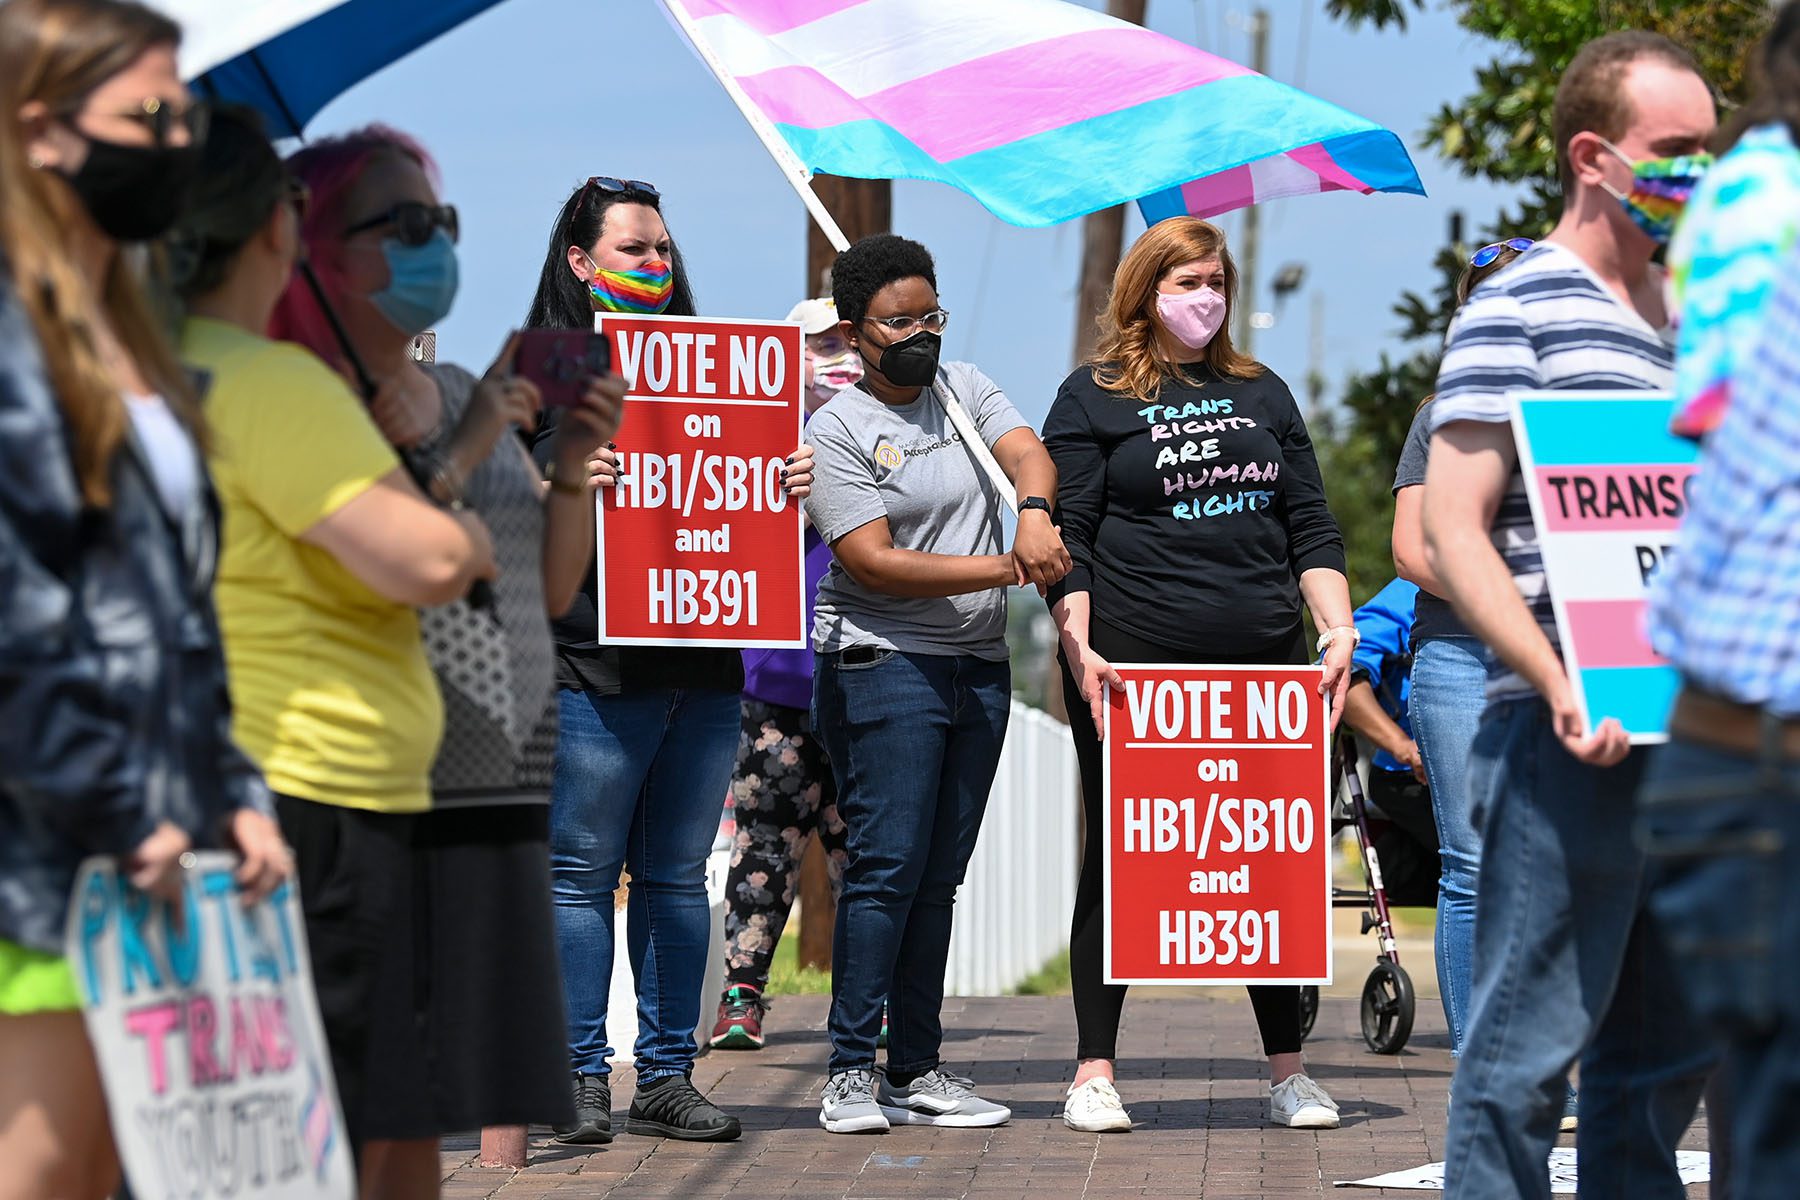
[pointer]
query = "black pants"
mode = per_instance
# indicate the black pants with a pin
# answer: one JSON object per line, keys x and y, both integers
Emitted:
{"x": 1098, "y": 1004}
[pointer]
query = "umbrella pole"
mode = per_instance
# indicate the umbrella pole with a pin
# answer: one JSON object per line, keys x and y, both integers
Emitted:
{"x": 798, "y": 177}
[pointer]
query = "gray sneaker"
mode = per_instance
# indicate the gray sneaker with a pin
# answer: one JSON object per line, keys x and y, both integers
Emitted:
{"x": 939, "y": 1098}
{"x": 849, "y": 1104}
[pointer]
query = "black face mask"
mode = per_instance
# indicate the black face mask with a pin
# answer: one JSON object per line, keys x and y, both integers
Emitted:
{"x": 912, "y": 362}
{"x": 134, "y": 193}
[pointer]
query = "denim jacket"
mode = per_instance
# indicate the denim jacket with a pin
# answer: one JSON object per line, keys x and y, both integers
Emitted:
{"x": 114, "y": 711}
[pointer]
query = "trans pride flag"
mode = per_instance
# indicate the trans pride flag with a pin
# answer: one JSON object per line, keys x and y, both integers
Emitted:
{"x": 1041, "y": 110}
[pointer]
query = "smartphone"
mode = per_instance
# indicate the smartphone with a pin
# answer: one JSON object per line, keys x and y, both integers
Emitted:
{"x": 561, "y": 361}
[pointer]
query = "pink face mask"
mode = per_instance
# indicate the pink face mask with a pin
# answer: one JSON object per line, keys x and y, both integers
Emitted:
{"x": 1193, "y": 317}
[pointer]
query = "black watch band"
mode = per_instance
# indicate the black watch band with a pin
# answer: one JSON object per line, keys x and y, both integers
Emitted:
{"x": 1034, "y": 502}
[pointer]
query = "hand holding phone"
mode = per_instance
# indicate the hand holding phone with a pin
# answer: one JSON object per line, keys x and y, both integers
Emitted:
{"x": 561, "y": 362}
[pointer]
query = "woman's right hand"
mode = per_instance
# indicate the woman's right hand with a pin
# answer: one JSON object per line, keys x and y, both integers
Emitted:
{"x": 1093, "y": 675}
{"x": 155, "y": 866}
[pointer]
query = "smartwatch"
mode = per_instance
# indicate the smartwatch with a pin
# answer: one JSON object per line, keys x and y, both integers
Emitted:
{"x": 1034, "y": 502}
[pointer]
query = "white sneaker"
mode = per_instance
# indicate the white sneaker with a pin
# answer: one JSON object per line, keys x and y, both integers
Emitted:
{"x": 939, "y": 1098}
{"x": 1302, "y": 1104}
{"x": 1095, "y": 1107}
{"x": 848, "y": 1105}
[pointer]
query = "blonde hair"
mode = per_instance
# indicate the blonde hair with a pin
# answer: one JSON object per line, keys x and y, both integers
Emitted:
{"x": 57, "y": 52}
{"x": 1126, "y": 359}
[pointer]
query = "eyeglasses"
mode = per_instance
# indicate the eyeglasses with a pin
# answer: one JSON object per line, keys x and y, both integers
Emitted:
{"x": 1490, "y": 252}
{"x": 607, "y": 183}
{"x": 160, "y": 119}
{"x": 414, "y": 223}
{"x": 902, "y": 327}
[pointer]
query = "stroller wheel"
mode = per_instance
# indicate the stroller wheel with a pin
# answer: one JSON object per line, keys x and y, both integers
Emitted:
{"x": 1309, "y": 1010}
{"x": 1387, "y": 1008}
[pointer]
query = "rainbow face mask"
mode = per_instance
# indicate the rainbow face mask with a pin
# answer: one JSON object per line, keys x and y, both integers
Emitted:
{"x": 646, "y": 290}
{"x": 1660, "y": 188}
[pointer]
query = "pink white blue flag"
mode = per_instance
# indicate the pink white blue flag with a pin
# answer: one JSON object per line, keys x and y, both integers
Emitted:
{"x": 1040, "y": 109}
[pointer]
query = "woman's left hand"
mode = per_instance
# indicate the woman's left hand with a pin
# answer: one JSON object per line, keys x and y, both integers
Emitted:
{"x": 796, "y": 480}
{"x": 267, "y": 861}
{"x": 1336, "y": 684}
{"x": 1039, "y": 557}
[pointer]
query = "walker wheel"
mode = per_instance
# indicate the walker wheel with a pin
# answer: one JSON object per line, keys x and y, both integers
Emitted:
{"x": 1387, "y": 1008}
{"x": 1309, "y": 1010}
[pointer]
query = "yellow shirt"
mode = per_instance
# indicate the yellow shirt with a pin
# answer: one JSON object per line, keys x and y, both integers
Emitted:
{"x": 333, "y": 695}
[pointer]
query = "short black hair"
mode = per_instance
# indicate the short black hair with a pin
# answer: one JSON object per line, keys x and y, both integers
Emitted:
{"x": 871, "y": 265}
{"x": 239, "y": 182}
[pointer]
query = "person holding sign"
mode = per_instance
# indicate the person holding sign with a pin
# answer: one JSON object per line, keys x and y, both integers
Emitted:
{"x": 1193, "y": 509}
{"x": 1566, "y": 965}
{"x": 912, "y": 690}
{"x": 114, "y": 712}
{"x": 647, "y": 735}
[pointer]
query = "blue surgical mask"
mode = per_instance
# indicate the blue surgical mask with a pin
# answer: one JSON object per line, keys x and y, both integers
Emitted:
{"x": 421, "y": 283}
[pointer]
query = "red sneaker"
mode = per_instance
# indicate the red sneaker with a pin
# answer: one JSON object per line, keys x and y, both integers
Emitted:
{"x": 740, "y": 1019}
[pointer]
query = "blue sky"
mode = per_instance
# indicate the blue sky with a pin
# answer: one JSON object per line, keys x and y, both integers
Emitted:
{"x": 525, "y": 101}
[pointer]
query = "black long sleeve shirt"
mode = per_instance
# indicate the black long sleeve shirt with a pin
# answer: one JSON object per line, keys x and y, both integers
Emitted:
{"x": 1190, "y": 520}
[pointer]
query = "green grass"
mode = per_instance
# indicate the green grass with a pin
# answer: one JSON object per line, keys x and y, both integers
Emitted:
{"x": 1052, "y": 979}
{"x": 788, "y": 978}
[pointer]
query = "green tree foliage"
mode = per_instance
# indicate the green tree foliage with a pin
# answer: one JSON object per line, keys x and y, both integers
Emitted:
{"x": 1500, "y": 131}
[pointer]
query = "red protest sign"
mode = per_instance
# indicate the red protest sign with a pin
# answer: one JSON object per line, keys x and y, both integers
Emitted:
{"x": 1218, "y": 826}
{"x": 697, "y": 544}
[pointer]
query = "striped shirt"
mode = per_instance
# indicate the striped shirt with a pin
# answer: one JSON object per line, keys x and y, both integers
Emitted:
{"x": 1546, "y": 323}
{"x": 1726, "y": 610}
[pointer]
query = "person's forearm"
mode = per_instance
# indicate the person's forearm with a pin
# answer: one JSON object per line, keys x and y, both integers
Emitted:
{"x": 1072, "y": 615}
{"x": 1363, "y": 713}
{"x": 1327, "y": 594}
{"x": 1480, "y": 588}
{"x": 1033, "y": 474}
{"x": 568, "y": 545}
{"x": 917, "y": 575}
{"x": 1410, "y": 560}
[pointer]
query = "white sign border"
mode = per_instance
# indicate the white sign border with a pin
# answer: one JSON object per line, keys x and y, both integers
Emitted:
{"x": 805, "y": 640}
{"x": 1325, "y": 744}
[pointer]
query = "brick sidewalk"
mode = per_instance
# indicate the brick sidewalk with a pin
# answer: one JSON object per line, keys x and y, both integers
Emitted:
{"x": 1192, "y": 1078}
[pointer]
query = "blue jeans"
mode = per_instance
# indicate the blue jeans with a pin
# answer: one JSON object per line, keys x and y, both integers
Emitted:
{"x": 914, "y": 742}
{"x": 640, "y": 784}
{"x": 1723, "y": 837}
{"x": 1449, "y": 686}
{"x": 1567, "y": 966}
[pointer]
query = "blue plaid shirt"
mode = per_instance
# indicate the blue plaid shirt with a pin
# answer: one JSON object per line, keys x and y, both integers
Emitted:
{"x": 1726, "y": 610}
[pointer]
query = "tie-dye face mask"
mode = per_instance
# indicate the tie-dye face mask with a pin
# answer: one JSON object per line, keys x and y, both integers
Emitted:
{"x": 1660, "y": 188}
{"x": 646, "y": 289}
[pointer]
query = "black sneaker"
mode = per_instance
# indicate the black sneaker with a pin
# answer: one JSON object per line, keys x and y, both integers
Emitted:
{"x": 672, "y": 1107}
{"x": 593, "y": 1113}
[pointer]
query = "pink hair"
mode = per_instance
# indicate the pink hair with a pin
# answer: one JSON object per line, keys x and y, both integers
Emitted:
{"x": 330, "y": 168}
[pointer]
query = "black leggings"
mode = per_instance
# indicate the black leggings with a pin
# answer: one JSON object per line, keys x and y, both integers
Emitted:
{"x": 1098, "y": 1004}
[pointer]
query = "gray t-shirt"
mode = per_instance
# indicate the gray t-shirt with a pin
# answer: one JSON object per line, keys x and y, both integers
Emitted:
{"x": 907, "y": 463}
{"x": 1432, "y": 616}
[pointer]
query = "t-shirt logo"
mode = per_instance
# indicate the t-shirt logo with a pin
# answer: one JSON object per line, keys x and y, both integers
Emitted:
{"x": 888, "y": 455}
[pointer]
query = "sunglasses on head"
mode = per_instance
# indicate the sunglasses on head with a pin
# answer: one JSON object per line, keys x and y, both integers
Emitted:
{"x": 608, "y": 183}
{"x": 1491, "y": 251}
{"x": 413, "y": 223}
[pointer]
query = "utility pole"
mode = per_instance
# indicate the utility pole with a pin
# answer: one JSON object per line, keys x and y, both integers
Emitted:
{"x": 1102, "y": 242}
{"x": 862, "y": 207}
{"x": 1245, "y": 333}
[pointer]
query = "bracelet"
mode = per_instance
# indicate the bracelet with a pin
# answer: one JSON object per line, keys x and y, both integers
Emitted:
{"x": 445, "y": 474}
{"x": 563, "y": 485}
{"x": 1331, "y": 635}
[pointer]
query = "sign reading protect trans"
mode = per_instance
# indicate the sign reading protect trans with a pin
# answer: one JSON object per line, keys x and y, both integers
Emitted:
{"x": 1609, "y": 486}
{"x": 697, "y": 544}
{"x": 1217, "y": 826}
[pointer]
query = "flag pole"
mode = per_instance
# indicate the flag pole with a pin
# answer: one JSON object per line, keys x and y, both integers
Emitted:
{"x": 800, "y": 178}
{"x": 791, "y": 167}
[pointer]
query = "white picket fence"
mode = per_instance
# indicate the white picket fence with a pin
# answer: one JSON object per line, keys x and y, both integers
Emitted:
{"x": 1012, "y": 914}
